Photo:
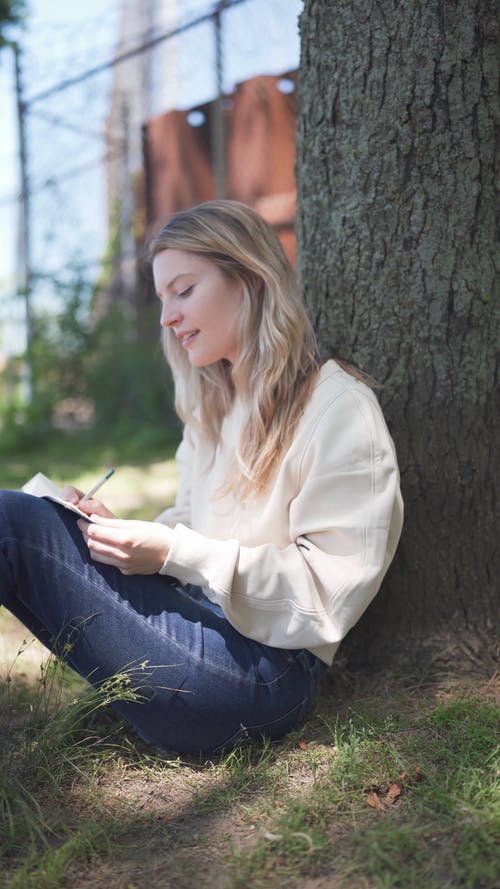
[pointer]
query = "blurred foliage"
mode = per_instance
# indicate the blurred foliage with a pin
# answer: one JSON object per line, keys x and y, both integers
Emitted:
{"x": 97, "y": 373}
{"x": 12, "y": 12}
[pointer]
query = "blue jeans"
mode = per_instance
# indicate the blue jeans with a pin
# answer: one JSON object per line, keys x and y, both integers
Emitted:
{"x": 204, "y": 685}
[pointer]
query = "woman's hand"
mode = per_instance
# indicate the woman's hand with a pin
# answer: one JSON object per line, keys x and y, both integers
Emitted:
{"x": 132, "y": 547}
{"x": 74, "y": 495}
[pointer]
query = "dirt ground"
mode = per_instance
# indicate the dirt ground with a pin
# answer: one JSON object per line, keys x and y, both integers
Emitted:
{"x": 177, "y": 827}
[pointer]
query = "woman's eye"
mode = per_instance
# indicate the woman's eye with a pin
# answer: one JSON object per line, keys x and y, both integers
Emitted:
{"x": 187, "y": 291}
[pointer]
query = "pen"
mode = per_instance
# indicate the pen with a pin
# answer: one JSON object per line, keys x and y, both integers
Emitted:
{"x": 98, "y": 484}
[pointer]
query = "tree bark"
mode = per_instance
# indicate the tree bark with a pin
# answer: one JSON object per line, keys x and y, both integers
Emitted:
{"x": 397, "y": 170}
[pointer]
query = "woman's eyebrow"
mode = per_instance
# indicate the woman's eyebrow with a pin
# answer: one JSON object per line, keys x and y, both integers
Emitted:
{"x": 180, "y": 275}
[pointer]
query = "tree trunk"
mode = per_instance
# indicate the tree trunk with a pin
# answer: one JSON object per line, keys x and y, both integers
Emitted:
{"x": 398, "y": 258}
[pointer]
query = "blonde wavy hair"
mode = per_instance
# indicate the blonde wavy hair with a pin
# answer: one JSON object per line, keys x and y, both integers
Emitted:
{"x": 277, "y": 359}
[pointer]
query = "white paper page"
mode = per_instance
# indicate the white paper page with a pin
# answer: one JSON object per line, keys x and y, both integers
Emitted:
{"x": 41, "y": 486}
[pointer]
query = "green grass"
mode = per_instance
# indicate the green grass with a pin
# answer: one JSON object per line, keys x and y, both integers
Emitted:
{"x": 83, "y": 802}
{"x": 48, "y": 735}
{"x": 443, "y": 830}
{"x": 264, "y": 815}
{"x": 143, "y": 485}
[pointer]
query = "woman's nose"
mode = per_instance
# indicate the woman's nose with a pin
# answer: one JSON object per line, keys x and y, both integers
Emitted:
{"x": 170, "y": 315}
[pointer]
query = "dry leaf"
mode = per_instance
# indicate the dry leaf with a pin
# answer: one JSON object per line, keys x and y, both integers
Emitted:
{"x": 380, "y": 797}
{"x": 375, "y": 802}
{"x": 392, "y": 794}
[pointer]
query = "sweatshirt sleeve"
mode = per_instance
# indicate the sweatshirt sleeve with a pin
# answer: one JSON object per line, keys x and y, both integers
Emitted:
{"x": 181, "y": 510}
{"x": 344, "y": 524}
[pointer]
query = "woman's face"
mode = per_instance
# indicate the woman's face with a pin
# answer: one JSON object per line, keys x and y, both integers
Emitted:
{"x": 200, "y": 305}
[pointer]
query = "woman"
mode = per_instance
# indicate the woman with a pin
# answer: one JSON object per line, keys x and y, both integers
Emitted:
{"x": 226, "y": 610}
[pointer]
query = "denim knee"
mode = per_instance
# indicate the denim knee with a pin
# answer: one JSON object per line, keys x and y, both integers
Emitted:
{"x": 13, "y": 508}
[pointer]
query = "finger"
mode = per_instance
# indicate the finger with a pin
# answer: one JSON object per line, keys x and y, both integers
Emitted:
{"x": 72, "y": 494}
{"x": 84, "y": 526}
{"x": 115, "y": 563}
{"x": 110, "y": 520}
{"x": 101, "y": 542}
{"x": 114, "y": 554}
{"x": 118, "y": 537}
{"x": 93, "y": 507}
{"x": 104, "y": 559}
{"x": 87, "y": 506}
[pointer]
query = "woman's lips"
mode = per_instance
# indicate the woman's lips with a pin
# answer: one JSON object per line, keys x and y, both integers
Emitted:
{"x": 188, "y": 338}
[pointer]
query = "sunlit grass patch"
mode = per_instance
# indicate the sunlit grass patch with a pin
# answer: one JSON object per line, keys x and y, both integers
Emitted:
{"x": 439, "y": 829}
{"x": 266, "y": 814}
{"x": 133, "y": 492}
{"x": 139, "y": 489}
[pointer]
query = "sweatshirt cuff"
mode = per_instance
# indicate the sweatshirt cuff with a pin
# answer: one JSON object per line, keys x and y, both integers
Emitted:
{"x": 194, "y": 558}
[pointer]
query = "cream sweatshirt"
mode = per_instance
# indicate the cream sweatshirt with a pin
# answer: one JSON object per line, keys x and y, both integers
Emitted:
{"x": 296, "y": 567}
